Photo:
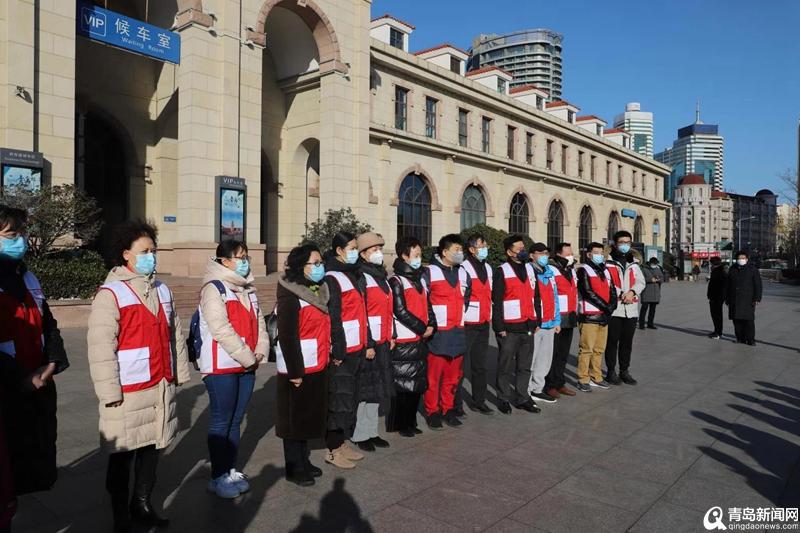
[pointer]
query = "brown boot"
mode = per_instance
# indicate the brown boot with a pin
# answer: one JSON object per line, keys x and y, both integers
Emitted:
{"x": 553, "y": 392}
{"x": 350, "y": 453}
{"x": 337, "y": 459}
{"x": 566, "y": 391}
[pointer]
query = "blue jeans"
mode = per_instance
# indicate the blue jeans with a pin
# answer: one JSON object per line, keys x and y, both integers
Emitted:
{"x": 228, "y": 396}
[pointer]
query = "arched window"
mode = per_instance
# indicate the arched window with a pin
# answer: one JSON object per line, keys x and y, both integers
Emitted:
{"x": 519, "y": 215}
{"x": 585, "y": 228}
{"x": 555, "y": 224}
{"x": 638, "y": 229}
{"x": 414, "y": 209}
{"x": 473, "y": 207}
{"x": 613, "y": 225}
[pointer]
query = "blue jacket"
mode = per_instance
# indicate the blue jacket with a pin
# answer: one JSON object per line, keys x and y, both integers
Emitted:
{"x": 545, "y": 281}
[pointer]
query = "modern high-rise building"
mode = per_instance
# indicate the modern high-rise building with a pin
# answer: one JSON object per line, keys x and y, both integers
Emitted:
{"x": 533, "y": 57}
{"x": 697, "y": 150}
{"x": 640, "y": 125}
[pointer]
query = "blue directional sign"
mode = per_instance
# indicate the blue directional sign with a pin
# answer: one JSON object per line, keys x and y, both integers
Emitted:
{"x": 628, "y": 213}
{"x": 111, "y": 28}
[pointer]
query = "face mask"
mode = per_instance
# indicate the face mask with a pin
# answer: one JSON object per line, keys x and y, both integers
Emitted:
{"x": 145, "y": 264}
{"x": 415, "y": 263}
{"x": 483, "y": 253}
{"x": 543, "y": 260}
{"x": 457, "y": 258}
{"x": 522, "y": 256}
{"x": 570, "y": 259}
{"x": 317, "y": 273}
{"x": 376, "y": 258}
{"x": 598, "y": 259}
{"x": 13, "y": 249}
{"x": 242, "y": 267}
{"x": 741, "y": 262}
{"x": 352, "y": 257}
{"x": 624, "y": 248}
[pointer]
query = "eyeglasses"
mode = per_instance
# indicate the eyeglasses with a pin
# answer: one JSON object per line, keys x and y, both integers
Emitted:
{"x": 315, "y": 263}
{"x": 242, "y": 258}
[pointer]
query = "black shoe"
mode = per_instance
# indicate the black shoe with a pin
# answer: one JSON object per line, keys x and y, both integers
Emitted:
{"x": 714, "y": 336}
{"x": 303, "y": 479}
{"x": 435, "y": 421}
{"x": 407, "y": 433}
{"x": 122, "y": 516}
{"x": 641, "y": 327}
{"x": 504, "y": 407}
{"x": 451, "y": 419}
{"x": 482, "y": 408}
{"x": 627, "y": 379}
{"x": 315, "y": 471}
{"x": 416, "y": 430}
{"x": 751, "y": 343}
{"x": 651, "y": 326}
{"x": 365, "y": 445}
{"x": 142, "y": 512}
{"x": 543, "y": 396}
{"x": 459, "y": 411}
{"x": 530, "y": 406}
{"x": 379, "y": 442}
{"x": 613, "y": 379}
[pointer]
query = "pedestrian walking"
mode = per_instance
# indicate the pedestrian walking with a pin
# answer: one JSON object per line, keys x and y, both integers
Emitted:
{"x": 696, "y": 273}
{"x": 413, "y": 325}
{"x": 302, "y": 356}
{"x": 547, "y": 309}
{"x": 716, "y": 294}
{"x": 743, "y": 295}
{"x": 374, "y": 377}
{"x": 234, "y": 342}
{"x": 137, "y": 358}
{"x": 449, "y": 286}
{"x": 31, "y": 354}
{"x": 477, "y": 321}
{"x": 347, "y": 309}
{"x": 598, "y": 300}
{"x": 514, "y": 321}
{"x": 563, "y": 267}
{"x": 654, "y": 276}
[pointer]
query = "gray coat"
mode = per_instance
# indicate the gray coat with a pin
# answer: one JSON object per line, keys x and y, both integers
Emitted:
{"x": 652, "y": 291}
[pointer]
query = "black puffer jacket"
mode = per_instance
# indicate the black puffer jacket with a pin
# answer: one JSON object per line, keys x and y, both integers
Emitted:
{"x": 743, "y": 292}
{"x": 408, "y": 359}
{"x": 587, "y": 294}
{"x": 375, "y": 376}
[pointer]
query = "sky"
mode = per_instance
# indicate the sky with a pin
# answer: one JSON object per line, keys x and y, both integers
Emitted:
{"x": 740, "y": 58}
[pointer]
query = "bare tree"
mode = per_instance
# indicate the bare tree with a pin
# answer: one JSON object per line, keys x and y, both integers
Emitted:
{"x": 788, "y": 230}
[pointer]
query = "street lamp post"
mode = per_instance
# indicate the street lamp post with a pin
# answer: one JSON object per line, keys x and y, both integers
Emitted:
{"x": 739, "y": 227}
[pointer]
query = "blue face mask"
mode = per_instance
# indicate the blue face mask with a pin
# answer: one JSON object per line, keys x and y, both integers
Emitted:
{"x": 415, "y": 263}
{"x": 317, "y": 273}
{"x": 543, "y": 260}
{"x": 13, "y": 249}
{"x": 624, "y": 248}
{"x": 242, "y": 267}
{"x": 145, "y": 264}
{"x": 352, "y": 257}
{"x": 523, "y": 255}
{"x": 483, "y": 253}
{"x": 598, "y": 259}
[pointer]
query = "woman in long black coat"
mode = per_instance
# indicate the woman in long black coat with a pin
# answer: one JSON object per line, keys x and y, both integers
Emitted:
{"x": 743, "y": 294}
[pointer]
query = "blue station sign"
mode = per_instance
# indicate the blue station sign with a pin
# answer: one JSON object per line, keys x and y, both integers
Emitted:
{"x": 628, "y": 213}
{"x": 124, "y": 32}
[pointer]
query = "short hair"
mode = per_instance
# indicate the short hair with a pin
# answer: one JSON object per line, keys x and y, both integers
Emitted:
{"x": 560, "y": 246}
{"x": 473, "y": 239}
{"x": 404, "y": 245}
{"x": 715, "y": 260}
{"x": 539, "y": 247}
{"x": 622, "y": 233}
{"x": 447, "y": 241}
{"x": 12, "y": 218}
{"x": 742, "y": 252}
{"x": 653, "y": 260}
{"x": 297, "y": 259}
{"x": 226, "y": 249}
{"x": 592, "y": 245}
{"x": 508, "y": 242}
{"x": 125, "y": 234}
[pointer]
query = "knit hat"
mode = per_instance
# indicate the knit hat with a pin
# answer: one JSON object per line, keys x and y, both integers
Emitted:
{"x": 368, "y": 240}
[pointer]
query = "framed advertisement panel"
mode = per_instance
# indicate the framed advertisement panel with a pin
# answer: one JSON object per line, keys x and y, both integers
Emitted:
{"x": 230, "y": 214}
{"x": 21, "y": 168}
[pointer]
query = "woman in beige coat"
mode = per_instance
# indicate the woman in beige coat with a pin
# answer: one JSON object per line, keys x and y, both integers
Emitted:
{"x": 234, "y": 342}
{"x": 137, "y": 356}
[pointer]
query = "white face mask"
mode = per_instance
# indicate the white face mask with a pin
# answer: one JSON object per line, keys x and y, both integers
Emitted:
{"x": 570, "y": 259}
{"x": 741, "y": 262}
{"x": 376, "y": 258}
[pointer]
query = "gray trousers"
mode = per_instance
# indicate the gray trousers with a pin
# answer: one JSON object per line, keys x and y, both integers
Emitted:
{"x": 366, "y": 422}
{"x": 542, "y": 358}
{"x": 514, "y": 364}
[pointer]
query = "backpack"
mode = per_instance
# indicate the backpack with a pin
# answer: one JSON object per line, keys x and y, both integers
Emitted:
{"x": 194, "y": 343}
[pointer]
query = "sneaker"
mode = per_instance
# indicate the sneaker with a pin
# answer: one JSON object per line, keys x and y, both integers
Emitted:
{"x": 612, "y": 379}
{"x": 365, "y": 445}
{"x": 552, "y": 391}
{"x": 240, "y": 480}
{"x": 482, "y": 408}
{"x": 379, "y": 442}
{"x": 337, "y": 459}
{"x": 435, "y": 421}
{"x": 600, "y": 384}
{"x": 529, "y": 406}
{"x": 350, "y": 453}
{"x": 627, "y": 379}
{"x": 504, "y": 407}
{"x": 224, "y": 487}
{"x": 584, "y": 387}
{"x": 714, "y": 336}
{"x": 451, "y": 419}
{"x": 566, "y": 391}
{"x": 543, "y": 397}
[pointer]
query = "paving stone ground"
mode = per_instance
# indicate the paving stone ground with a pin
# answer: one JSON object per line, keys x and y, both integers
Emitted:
{"x": 711, "y": 423}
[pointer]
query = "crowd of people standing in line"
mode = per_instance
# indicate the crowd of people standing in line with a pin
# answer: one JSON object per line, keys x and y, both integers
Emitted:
{"x": 348, "y": 336}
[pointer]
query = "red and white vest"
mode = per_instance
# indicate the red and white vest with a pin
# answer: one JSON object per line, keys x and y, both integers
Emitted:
{"x": 379, "y": 311}
{"x": 213, "y": 358}
{"x": 314, "y": 328}
{"x": 547, "y": 299}
{"x": 25, "y": 344}
{"x": 601, "y": 287}
{"x": 144, "y": 348}
{"x": 480, "y": 297}
{"x": 567, "y": 291}
{"x": 417, "y": 305}
{"x": 519, "y": 295}
{"x": 616, "y": 276}
{"x": 447, "y": 301}
{"x": 354, "y": 313}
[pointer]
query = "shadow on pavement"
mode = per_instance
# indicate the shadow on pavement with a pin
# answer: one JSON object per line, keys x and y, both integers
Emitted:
{"x": 338, "y": 513}
{"x": 704, "y": 333}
